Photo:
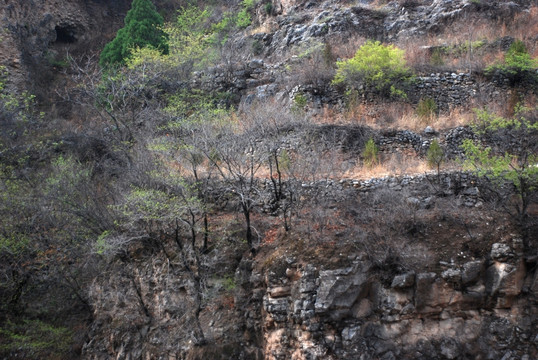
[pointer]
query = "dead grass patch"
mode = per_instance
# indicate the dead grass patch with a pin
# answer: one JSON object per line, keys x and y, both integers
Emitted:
{"x": 467, "y": 42}
{"x": 389, "y": 165}
{"x": 395, "y": 115}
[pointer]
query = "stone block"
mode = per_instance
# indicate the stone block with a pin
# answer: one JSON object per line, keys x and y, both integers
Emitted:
{"x": 471, "y": 272}
{"x": 501, "y": 252}
{"x": 403, "y": 281}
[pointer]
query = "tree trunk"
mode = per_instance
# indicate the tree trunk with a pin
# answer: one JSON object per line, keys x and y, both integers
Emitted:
{"x": 246, "y": 213}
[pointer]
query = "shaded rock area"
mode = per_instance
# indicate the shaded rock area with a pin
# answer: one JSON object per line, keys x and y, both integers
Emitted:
{"x": 40, "y": 35}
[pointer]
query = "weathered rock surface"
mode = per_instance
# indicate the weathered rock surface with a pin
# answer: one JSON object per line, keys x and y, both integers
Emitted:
{"x": 289, "y": 309}
{"x": 38, "y": 33}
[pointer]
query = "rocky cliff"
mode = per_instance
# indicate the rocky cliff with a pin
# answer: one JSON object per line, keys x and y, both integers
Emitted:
{"x": 452, "y": 292}
{"x": 39, "y": 36}
{"x": 392, "y": 267}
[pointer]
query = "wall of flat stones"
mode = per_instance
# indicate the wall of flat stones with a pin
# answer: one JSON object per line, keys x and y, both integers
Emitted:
{"x": 256, "y": 79}
{"x": 405, "y": 141}
{"x": 448, "y": 90}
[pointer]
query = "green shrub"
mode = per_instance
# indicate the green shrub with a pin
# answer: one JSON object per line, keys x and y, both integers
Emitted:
{"x": 244, "y": 17}
{"x": 435, "y": 155}
{"x": 426, "y": 109}
{"x": 269, "y": 8}
{"x": 437, "y": 57}
{"x": 377, "y": 66}
{"x": 257, "y": 47}
{"x": 518, "y": 65}
{"x": 229, "y": 283}
{"x": 370, "y": 153}
{"x": 35, "y": 339}
{"x": 299, "y": 103}
{"x": 512, "y": 161}
{"x": 300, "y": 100}
{"x": 143, "y": 28}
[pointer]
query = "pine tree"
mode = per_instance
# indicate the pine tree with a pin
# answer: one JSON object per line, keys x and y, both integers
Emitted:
{"x": 143, "y": 27}
{"x": 435, "y": 156}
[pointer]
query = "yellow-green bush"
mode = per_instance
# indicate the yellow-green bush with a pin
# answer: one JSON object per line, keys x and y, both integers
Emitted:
{"x": 370, "y": 153}
{"x": 518, "y": 65}
{"x": 378, "y": 67}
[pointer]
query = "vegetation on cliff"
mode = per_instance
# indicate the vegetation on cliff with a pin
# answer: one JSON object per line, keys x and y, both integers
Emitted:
{"x": 183, "y": 145}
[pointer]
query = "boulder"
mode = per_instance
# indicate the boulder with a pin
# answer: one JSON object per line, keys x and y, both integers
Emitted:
{"x": 256, "y": 64}
{"x": 501, "y": 252}
{"x": 279, "y": 291}
{"x": 471, "y": 272}
{"x": 339, "y": 289}
{"x": 505, "y": 278}
{"x": 403, "y": 281}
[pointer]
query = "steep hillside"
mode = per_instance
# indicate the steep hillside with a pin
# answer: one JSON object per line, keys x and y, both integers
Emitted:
{"x": 257, "y": 193}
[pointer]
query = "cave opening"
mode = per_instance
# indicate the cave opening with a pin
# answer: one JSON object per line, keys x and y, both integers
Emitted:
{"x": 65, "y": 34}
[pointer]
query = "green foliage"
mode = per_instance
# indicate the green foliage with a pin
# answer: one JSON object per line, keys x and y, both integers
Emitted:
{"x": 436, "y": 58}
{"x": 515, "y": 162}
{"x": 143, "y": 28}
{"x": 244, "y": 17}
{"x": 229, "y": 283}
{"x": 487, "y": 121}
{"x": 518, "y": 65}
{"x": 35, "y": 339}
{"x": 268, "y": 8}
{"x": 284, "y": 160}
{"x": 194, "y": 105}
{"x": 150, "y": 205}
{"x": 15, "y": 210}
{"x": 17, "y": 108}
{"x": 435, "y": 155}
{"x": 300, "y": 100}
{"x": 71, "y": 196}
{"x": 257, "y": 47}
{"x": 191, "y": 41}
{"x": 160, "y": 207}
{"x": 328, "y": 56}
{"x": 56, "y": 62}
{"x": 19, "y": 123}
{"x": 188, "y": 36}
{"x": 101, "y": 245}
{"x": 370, "y": 153}
{"x": 466, "y": 46}
{"x": 377, "y": 66}
{"x": 426, "y": 109}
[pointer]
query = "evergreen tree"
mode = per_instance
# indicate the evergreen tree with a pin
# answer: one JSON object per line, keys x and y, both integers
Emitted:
{"x": 143, "y": 27}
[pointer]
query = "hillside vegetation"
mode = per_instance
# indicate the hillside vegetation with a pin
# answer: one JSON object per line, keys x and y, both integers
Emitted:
{"x": 276, "y": 180}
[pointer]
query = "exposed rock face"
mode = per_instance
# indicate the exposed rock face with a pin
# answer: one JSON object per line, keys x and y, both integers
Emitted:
{"x": 345, "y": 313}
{"x": 285, "y": 307}
{"x": 39, "y": 34}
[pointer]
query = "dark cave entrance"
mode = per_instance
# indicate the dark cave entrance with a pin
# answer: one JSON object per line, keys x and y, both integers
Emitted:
{"x": 65, "y": 34}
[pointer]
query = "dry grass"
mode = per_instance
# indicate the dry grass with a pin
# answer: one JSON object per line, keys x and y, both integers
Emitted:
{"x": 393, "y": 115}
{"x": 266, "y": 27}
{"x": 345, "y": 48}
{"x": 523, "y": 26}
{"x": 395, "y": 164}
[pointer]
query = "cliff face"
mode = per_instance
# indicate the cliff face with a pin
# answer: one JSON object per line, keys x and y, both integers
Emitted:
{"x": 38, "y": 36}
{"x": 447, "y": 294}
